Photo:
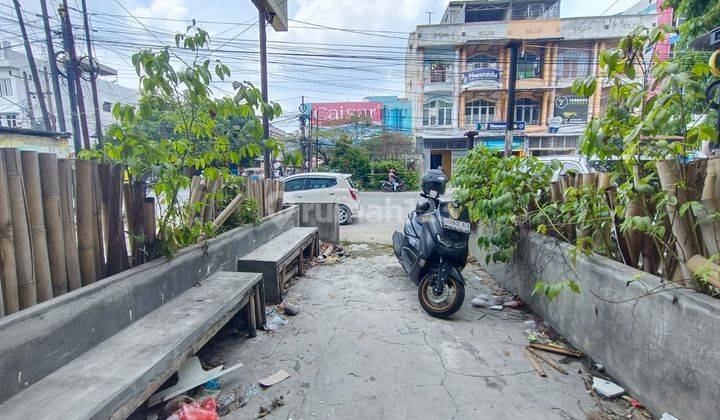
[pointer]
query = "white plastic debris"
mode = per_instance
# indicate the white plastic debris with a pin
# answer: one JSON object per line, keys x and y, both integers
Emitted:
{"x": 607, "y": 389}
{"x": 486, "y": 301}
{"x": 273, "y": 320}
{"x": 497, "y": 307}
{"x": 667, "y": 416}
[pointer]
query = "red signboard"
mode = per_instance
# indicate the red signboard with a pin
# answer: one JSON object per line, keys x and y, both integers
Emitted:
{"x": 338, "y": 113}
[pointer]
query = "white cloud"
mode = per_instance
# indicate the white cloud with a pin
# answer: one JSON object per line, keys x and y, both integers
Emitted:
{"x": 399, "y": 15}
{"x": 170, "y": 9}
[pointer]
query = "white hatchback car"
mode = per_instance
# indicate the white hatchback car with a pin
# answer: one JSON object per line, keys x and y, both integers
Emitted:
{"x": 324, "y": 187}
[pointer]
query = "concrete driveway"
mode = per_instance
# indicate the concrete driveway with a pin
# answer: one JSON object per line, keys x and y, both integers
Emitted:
{"x": 362, "y": 348}
{"x": 380, "y": 214}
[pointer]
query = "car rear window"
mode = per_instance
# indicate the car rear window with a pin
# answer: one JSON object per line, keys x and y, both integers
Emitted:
{"x": 350, "y": 181}
{"x": 316, "y": 183}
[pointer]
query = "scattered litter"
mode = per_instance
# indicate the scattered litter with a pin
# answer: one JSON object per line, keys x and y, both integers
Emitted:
{"x": 554, "y": 348}
{"x": 273, "y": 319}
{"x": 497, "y": 307}
{"x": 329, "y": 254}
{"x": 635, "y": 403}
{"x": 276, "y": 377}
{"x": 207, "y": 410}
{"x": 326, "y": 249}
{"x": 596, "y": 367}
{"x": 547, "y": 359}
{"x": 175, "y": 404}
{"x": 513, "y": 303}
{"x": 290, "y": 309}
{"x": 667, "y": 416}
{"x": 276, "y": 402}
{"x": 485, "y": 301}
{"x": 606, "y": 388}
{"x": 212, "y": 384}
{"x": 190, "y": 375}
{"x": 236, "y": 398}
{"x": 535, "y": 363}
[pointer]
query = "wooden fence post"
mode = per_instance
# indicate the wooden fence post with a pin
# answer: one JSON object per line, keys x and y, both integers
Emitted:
{"x": 9, "y": 300}
{"x": 85, "y": 226}
{"x": 36, "y": 220}
{"x": 97, "y": 222}
{"x": 53, "y": 222}
{"x": 67, "y": 210}
{"x": 149, "y": 227}
{"x": 683, "y": 227}
{"x": 117, "y": 258}
{"x": 27, "y": 294}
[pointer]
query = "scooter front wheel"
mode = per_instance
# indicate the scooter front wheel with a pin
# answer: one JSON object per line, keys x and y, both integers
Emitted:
{"x": 444, "y": 304}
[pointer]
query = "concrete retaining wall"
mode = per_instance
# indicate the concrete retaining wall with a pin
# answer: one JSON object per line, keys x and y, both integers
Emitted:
{"x": 40, "y": 339}
{"x": 323, "y": 216}
{"x": 661, "y": 347}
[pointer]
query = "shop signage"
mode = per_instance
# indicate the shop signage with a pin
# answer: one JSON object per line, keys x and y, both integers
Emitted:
{"x": 339, "y": 113}
{"x": 479, "y": 76}
{"x": 572, "y": 109}
{"x": 500, "y": 126}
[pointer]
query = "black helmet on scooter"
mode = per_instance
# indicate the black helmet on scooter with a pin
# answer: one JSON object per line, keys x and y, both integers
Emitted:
{"x": 434, "y": 180}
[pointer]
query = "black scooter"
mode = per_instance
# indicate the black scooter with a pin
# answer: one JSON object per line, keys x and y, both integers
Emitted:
{"x": 433, "y": 250}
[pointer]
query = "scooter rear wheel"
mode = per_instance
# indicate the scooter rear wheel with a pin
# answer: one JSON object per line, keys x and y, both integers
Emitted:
{"x": 444, "y": 305}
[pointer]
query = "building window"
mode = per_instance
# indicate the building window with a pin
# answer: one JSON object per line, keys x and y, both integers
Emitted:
{"x": 107, "y": 106}
{"x": 527, "y": 110}
{"x": 573, "y": 63}
{"x": 6, "y": 87}
{"x": 438, "y": 72}
{"x": 482, "y": 61}
{"x": 9, "y": 120}
{"x": 437, "y": 113}
{"x": 529, "y": 66}
{"x": 479, "y": 110}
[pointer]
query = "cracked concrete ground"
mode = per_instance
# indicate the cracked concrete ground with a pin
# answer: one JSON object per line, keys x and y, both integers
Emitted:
{"x": 362, "y": 348}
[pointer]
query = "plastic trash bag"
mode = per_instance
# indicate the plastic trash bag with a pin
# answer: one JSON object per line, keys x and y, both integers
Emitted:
{"x": 207, "y": 410}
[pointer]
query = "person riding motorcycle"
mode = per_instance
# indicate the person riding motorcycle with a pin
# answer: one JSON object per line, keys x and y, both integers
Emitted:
{"x": 393, "y": 179}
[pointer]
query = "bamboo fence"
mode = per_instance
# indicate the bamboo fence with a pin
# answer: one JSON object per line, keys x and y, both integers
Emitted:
{"x": 67, "y": 223}
{"x": 691, "y": 243}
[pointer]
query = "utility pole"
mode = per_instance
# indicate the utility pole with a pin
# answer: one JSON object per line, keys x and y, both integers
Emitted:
{"x": 30, "y": 110}
{"x": 33, "y": 69}
{"x": 263, "y": 88}
{"x": 70, "y": 49}
{"x": 317, "y": 140}
{"x": 93, "y": 76}
{"x": 53, "y": 68}
{"x": 304, "y": 141}
{"x": 512, "y": 81}
{"x": 51, "y": 111}
{"x": 429, "y": 17}
{"x": 70, "y": 76}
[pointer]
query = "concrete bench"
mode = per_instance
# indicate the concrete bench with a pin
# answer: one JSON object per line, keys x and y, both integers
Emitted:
{"x": 114, "y": 378}
{"x": 280, "y": 259}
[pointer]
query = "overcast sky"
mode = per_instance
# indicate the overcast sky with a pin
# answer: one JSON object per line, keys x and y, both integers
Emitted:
{"x": 301, "y": 61}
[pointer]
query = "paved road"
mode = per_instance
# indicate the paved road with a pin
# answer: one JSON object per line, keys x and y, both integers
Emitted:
{"x": 362, "y": 348}
{"x": 380, "y": 214}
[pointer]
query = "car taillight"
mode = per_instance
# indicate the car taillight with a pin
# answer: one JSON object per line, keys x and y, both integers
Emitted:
{"x": 354, "y": 194}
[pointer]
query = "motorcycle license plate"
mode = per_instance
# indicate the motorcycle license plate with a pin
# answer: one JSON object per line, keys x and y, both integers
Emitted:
{"x": 456, "y": 225}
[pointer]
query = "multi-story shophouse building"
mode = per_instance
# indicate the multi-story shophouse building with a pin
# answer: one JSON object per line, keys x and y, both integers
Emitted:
{"x": 457, "y": 76}
{"x": 17, "y": 112}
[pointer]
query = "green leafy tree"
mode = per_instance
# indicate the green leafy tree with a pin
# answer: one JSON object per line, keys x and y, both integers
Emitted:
{"x": 405, "y": 172}
{"x": 349, "y": 158}
{"x": 179, "y": 127}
